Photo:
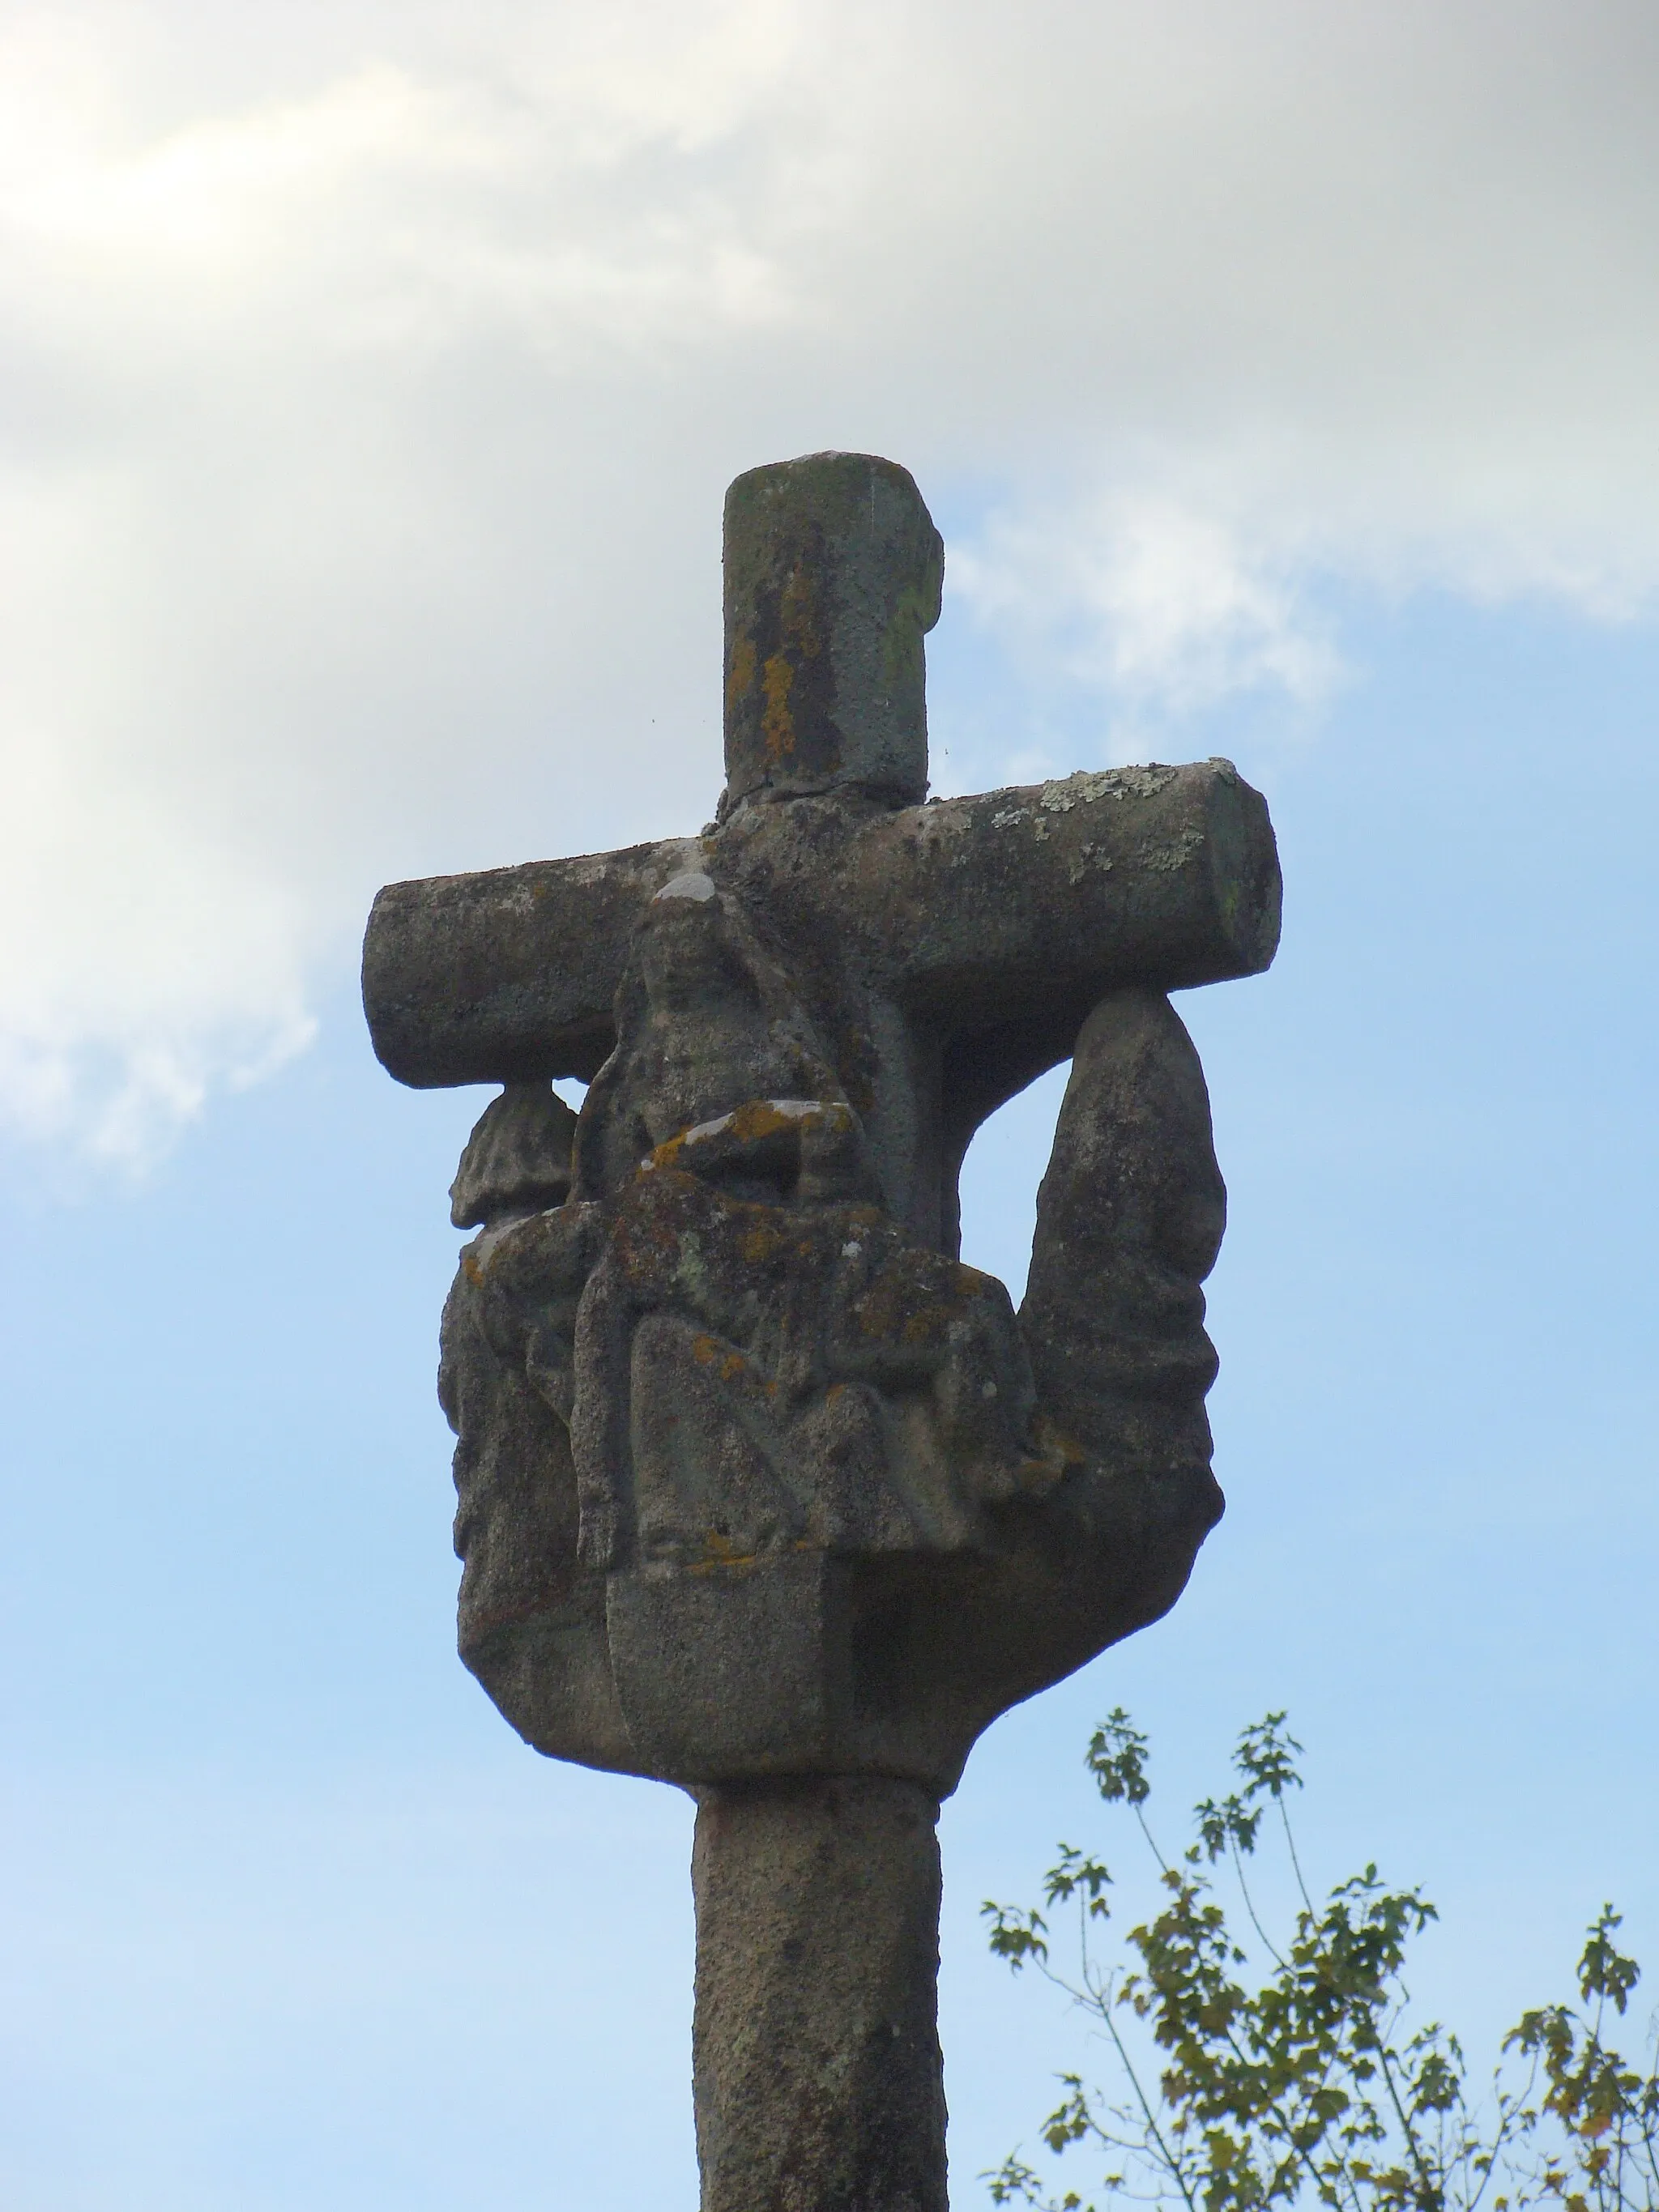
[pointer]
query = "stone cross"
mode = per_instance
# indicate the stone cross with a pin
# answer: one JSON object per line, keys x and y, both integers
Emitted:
{"x": 760, "y": 1491}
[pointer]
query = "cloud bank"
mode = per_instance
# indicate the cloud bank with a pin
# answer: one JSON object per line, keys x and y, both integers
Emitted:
{"x": 372, "y": 375}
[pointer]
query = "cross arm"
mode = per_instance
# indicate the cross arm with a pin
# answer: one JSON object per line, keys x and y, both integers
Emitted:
{"x": 509, "y": 975}
{"x": 1005, "y": 916}
{"x": 1036, "y": 901}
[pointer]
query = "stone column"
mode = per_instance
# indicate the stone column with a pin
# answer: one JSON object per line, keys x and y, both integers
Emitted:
{"x": 819, "y": 2083}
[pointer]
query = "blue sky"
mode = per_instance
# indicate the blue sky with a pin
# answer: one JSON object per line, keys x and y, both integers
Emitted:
{"x": 329, "y": 572}
{"x": 295, "y": 1919}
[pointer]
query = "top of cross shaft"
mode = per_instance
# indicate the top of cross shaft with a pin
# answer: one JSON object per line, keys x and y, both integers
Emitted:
{"x": 833, "y": 574}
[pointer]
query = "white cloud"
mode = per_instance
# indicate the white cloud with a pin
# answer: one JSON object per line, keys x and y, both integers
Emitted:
{"x": 371, "y": 375}
{"x": 1149, "y": 602}
{"x": 147, "y": 960}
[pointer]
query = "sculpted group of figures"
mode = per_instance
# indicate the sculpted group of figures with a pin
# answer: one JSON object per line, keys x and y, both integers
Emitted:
{"x": 755, "y": 1478}
{"x": 710, "y": 1392}
{"x": 762, "y": 1491}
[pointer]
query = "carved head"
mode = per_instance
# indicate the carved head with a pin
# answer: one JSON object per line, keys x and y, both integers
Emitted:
{"x": 687, "y": 959}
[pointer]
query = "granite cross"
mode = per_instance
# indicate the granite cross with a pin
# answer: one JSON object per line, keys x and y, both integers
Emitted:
{"x": 761, "y": 1491}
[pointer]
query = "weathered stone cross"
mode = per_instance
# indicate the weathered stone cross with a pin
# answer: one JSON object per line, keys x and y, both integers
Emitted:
{"x": 760, "y": 1490}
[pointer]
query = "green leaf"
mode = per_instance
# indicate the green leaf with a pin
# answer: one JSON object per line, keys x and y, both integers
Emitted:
{"x": 1263, "y": 1758}
{"x": 1603, "y": 1972}
{"x": 1116, "y": 1757}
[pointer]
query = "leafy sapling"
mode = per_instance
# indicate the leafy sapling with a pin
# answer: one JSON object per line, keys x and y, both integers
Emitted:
{"x": 1236, "y": 2090}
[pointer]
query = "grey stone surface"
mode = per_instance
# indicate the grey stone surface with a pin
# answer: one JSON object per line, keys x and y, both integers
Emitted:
{"x": 819, "y": 2079}
{"x": 518, "y": 1159}
{"x": 761, "y": 1491}
{"x": 995, "y": 922}
{"x": 833, "y": 574}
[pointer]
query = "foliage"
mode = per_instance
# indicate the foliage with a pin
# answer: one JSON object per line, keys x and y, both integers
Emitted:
{"x": 1314, "y": 2083}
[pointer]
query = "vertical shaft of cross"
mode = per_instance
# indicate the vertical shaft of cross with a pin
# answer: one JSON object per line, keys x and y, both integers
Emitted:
{"x": 833, "y": 573}
{"x": 818, "y": 2080}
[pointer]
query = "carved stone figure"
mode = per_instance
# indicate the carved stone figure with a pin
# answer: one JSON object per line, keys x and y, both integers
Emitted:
{"x": 762, "y": 1491}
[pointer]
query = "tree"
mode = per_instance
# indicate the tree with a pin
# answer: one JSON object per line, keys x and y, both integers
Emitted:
{"x": 1253, "y": 2072}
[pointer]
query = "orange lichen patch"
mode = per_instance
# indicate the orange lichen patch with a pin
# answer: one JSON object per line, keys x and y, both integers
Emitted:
{"x": 760, "y": 1118}
{"x": 754, "y": 1122}
{"x": 741, "y": 677}
{"x": 1056, "y": 1446}
{"x": 709, "y": 1351}
{"x": 903, "y": 1303}
{"x": 719, "y": 1552}
{"x": 878, "y": 1310}
{"x": 667, "y": 1155}
{"x": 636, "y": 1238}
{"x": 760, "y": 1243}
{"x": 797, "y": 612}
{"x": 777, "y": 724}
{"x": 931, "y": 1322}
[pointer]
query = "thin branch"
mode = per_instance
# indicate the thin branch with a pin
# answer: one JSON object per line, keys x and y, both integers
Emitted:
{"x": 1163, "y": 1862}
{"x": 1430, "y": 2193}
{"x": 1285, "y": 1822}
{"x": 1506, "y": 2114}
{"x": 1250, "y": 1905}
{"x": 1172, "y": 2163}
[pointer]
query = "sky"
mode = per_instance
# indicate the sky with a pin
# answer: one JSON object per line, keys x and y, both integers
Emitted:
{"x": 1282, "y": 381}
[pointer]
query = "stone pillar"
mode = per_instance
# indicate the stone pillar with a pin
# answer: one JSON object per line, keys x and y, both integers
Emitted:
{"x": 819, "y": 2083}
{"x": 833, "y": 574}
{"x": 759, "y": 1492}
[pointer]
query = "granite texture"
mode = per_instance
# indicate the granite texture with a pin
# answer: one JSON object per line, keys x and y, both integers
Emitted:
{"x": 761, "y": 1490}
{"x": 819, "y": 2079}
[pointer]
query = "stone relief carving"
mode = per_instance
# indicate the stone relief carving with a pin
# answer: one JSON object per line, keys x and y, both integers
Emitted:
{"x": 692, "y": 1355}
{"x": 760, "y": 1490}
